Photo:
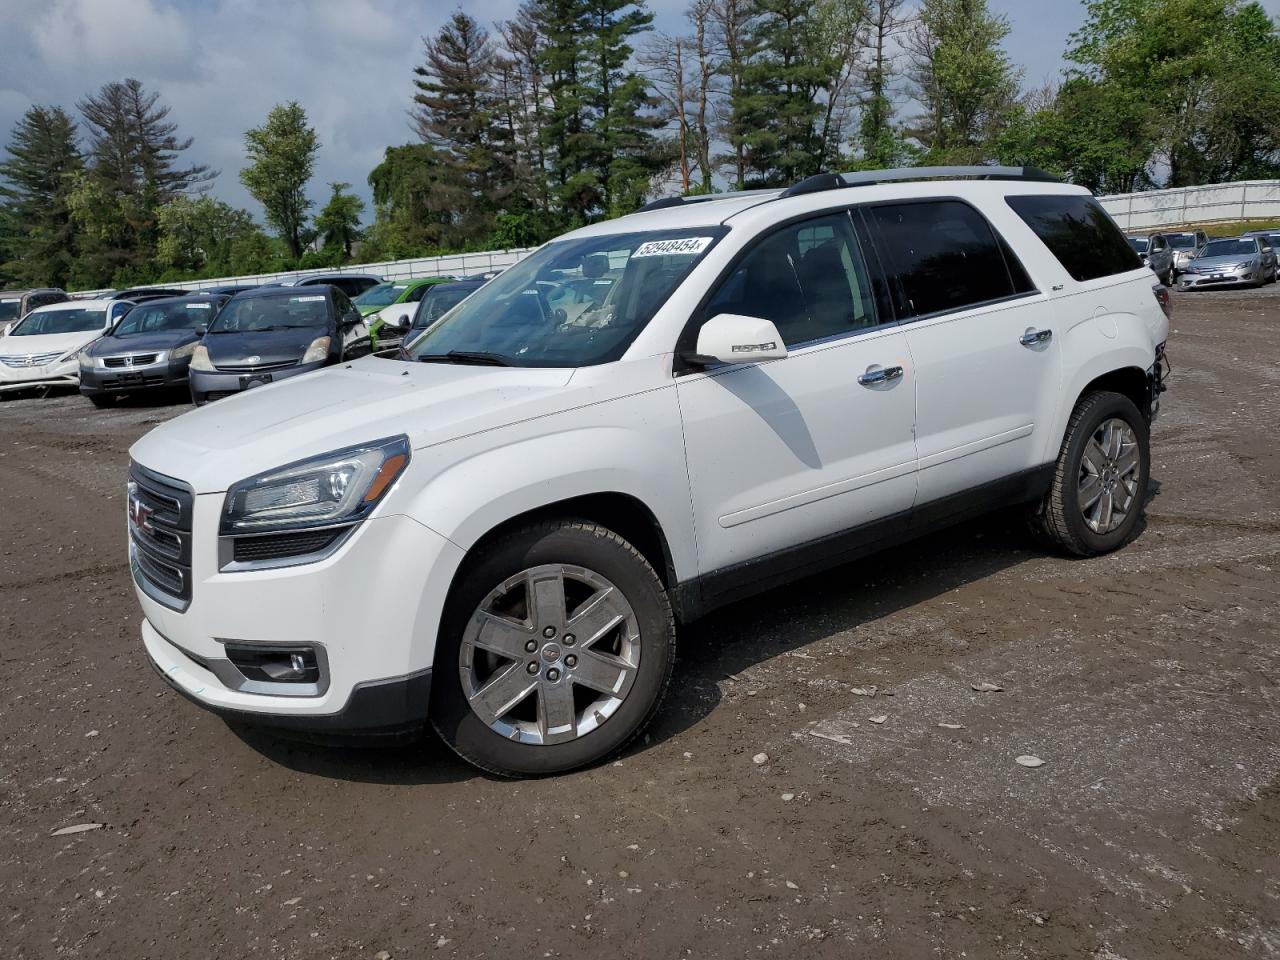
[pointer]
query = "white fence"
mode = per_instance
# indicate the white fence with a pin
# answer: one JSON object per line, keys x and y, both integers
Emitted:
{"x": 1216, "y": 202}
{"x": 1211, "y": 203}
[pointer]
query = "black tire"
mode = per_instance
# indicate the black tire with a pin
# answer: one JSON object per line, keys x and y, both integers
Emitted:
{"x": 102, "y": 400}
{"x": 582, "y": 544}
{"x": 1058, "y": 519}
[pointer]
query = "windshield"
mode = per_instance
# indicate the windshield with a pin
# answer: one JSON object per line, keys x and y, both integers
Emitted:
{"x": 61, "y": 320}
{"x": 381, "y": 295}
{"x": 573, "y": 303}
{"x": 9, "y": 308}
{"x": 1139, "y": 245}
{"x": 1230, "y": 248}
{"x": 438, "y": 301}
{"x": 1181, "y": 241}
{"x": 149, "y": 318}
{"x": 256, "y": 314}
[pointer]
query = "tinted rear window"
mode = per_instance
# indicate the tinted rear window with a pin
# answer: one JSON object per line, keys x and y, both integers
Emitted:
{"x": 946, "y": 256}
{"x": 1079, "y": 233}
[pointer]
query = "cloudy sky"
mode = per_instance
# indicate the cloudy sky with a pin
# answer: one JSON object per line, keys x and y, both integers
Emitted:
{"x": 222, "y": 64}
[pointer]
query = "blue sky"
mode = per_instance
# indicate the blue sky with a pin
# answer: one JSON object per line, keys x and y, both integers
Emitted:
{"x": 222, "y": 64}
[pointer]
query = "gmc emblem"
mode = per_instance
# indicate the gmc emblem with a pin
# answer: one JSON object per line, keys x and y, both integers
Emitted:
{"x": 139, "y": 513}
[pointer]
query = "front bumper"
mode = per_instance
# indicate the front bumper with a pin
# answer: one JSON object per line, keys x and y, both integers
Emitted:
{"x": 214, "y": 385}
{"x": 371, "y": 610}
{"x": 63, "y": 373}
{"x": 1223, "y": 278}
{"x": 163, "y": 373}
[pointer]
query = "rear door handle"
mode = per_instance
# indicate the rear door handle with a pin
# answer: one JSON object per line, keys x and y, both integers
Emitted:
{"x": 1032, "y": 337}
{"x": 880, "y": 375}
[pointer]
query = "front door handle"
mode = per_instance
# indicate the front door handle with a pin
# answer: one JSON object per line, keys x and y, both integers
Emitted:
{"x": 1033, "y": 336}
{"x": 880, "y": 375}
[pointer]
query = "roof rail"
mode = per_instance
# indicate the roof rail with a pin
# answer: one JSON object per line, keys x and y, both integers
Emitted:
{"x": 863, "y": 178}
{"x": 663, "y": 202}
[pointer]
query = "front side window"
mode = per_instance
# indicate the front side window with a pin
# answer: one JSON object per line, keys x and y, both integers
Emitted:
{"x": 1140, "y": 246}
{"x": 149, "y": 318}
{"x": 1184, "y": 241}
{"x": 10, "y": 308}
{"x": 418, "y": 292}
{"x": 438, "y": 301}
{"x": 573, "y": 303}
{"x": 67, "y": 320}
{"x": 809, "y": 279}
{"x": 1079, "y": 233}
{"x": 258, "y": 314}
{"x": 946, "y": 256}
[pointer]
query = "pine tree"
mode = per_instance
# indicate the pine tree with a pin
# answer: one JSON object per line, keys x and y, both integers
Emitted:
{"x": 39, "y": 245}
{"x": 132, "y": 172}
{"x": 282, "y": 156}
{"x": 457, "y": 111}
{"x": 779, "y": 104}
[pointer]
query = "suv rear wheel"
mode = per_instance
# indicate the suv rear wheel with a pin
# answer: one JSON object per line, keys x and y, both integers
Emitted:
{"x": 1100, "y": 482}
{"x": 555, "y": 650}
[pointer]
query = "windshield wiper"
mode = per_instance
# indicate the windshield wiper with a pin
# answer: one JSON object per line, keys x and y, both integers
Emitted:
{"x": 477, "y": 357}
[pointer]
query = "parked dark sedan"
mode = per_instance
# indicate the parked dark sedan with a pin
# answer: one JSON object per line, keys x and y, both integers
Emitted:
{"x": 150, "y": 348}
{"x": 272, "y": 333}
{"x": 436, "y": 302}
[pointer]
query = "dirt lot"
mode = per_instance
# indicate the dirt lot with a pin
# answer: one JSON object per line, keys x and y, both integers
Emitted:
{"x": 1148, "y": 681}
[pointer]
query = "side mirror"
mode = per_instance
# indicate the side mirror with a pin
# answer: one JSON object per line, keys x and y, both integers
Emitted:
{"x": 351, "y": 319}
{"x": 201, "y": 330}
{"x": 734, "y": 338}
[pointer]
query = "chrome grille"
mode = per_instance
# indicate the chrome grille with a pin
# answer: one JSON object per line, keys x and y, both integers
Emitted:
{"x": 160, "y": 533}
{"x": 30, "y": 360}
{"x": 133, "y": 360}
{"x": 257, "y": 367}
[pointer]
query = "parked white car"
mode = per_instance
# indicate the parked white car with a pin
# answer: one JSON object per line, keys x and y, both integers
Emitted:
{"x": 500, "y": 531}
{"x": 41, "y": 349}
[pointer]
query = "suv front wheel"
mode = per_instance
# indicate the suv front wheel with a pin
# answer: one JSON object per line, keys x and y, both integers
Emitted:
{"x": 555, "y": 650}
{"x": 1100, "y": 481}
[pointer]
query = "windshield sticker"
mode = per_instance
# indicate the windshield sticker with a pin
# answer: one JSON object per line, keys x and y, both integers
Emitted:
{"x": 197, "y": 306}
{"x": 685, "y": 246}
{"x": 306, "y": 299}
{"x": 7, "y": 300}
{"x": 603, "y": 283}
{"x": 94, "y": 308}
{"x": 400, "y": 286}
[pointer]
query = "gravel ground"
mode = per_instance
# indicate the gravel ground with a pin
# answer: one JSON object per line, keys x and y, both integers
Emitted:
{"x": 1147, "y": 681}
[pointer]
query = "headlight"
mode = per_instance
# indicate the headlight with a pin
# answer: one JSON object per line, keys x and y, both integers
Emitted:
{"x": 318, "y": 350}
{"x": 185, "y": 351}
{"x": 335, "y": 488}
{"x": 200, "y": 358}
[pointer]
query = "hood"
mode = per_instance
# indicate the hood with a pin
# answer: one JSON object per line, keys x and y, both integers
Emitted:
{"x": 270, "y": 346}
{"x": 219, "y": 444}
{"x": 1203, "y": 263}
{"x": 47, "y": 343}
{"x": 143, "y": 342}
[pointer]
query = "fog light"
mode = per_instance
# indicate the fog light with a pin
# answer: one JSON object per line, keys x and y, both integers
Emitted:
{"x": 272, "y": 664}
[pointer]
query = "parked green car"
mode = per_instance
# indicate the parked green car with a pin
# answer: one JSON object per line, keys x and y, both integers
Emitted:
{"x": 389, "y": 301}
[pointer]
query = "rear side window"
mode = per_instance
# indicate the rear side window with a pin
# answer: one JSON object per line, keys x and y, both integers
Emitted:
{"x": 946, "y": 256}
{"x": 1079, "y": 233}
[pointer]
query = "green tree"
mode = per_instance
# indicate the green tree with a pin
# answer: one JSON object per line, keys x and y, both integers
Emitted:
{"x": 457, "y": 111}
{"x": 411, "y": 203}
{"x": 339, "y": 222}
{"x": 201, "y": 236}
{"x": 962, "y": 77}
{"x": 282, "y": 156}
{"x": 878, "y": 140}
{"x": 38, "y": 243}
{"x": 132, "y": 172}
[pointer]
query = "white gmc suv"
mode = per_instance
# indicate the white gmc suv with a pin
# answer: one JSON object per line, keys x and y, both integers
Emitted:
{"x": 499, "y": 530}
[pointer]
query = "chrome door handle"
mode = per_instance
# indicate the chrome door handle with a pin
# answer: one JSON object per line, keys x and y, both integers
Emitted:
{"x": 1032, "y": 337}
{"x": 883, "y": 375}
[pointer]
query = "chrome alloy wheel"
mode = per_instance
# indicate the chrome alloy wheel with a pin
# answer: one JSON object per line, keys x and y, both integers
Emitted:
{"x": 1109, "y": 472}
{"x": 550, "y": 654}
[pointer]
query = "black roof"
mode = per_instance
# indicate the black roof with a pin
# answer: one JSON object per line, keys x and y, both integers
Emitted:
{"x": 313, "y": 290}
{"x": 186, "y": 298}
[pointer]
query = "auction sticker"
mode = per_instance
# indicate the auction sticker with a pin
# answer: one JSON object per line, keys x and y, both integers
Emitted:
{"x": 306, "y": 299}
{"x": 684, "y": 246}
{"x": 197, "y": 306}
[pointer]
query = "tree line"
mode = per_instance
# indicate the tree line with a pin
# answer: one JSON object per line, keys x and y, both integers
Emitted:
{"x": 577, "y": 110}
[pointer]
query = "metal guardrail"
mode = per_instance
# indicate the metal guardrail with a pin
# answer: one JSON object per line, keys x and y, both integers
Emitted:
{"x": 1210, "y": 203}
